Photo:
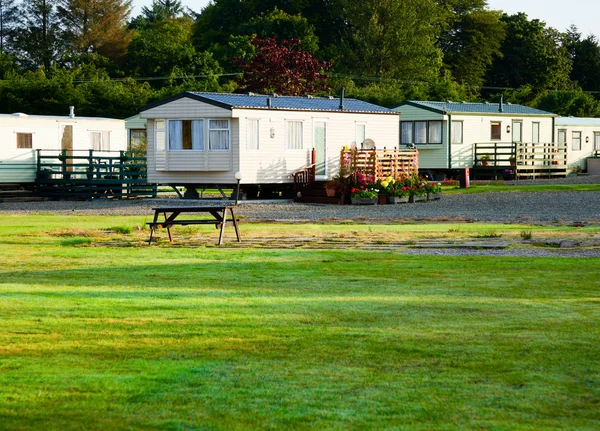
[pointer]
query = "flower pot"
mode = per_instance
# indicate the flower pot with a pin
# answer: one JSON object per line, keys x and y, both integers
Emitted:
{"x": 364, "y": 201}
{"x": 398, "y": 199}
{"x": 417, "y": 198}
{"x": 330, "y": 191}
{"x": 433, "y": 196}
{"x": 382, "y": 200}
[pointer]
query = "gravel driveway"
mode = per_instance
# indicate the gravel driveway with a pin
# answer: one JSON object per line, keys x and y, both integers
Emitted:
{"x": 567, "y": 207}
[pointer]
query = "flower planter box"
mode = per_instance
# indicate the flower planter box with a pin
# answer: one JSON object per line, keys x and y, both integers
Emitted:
{"x": 398, "y": 199}
{"x": 363, "y": 201}
{"x": 433, "y": 196}
{"x": 417, "y": 198}
{"x": 330, "y": 191}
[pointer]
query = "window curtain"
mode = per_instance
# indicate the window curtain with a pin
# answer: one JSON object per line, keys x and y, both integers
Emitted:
{"x": 407, "y": 128}
{"x": 360, "y": 134}
{"x": 294, "y": 135}
{"x": 218, "y": 135}
{"x": 252, "y": 144}
{"x": 596, "y": 141}
{"x": 175, "y": 135}
{"x": 435, "y": 132}
{"x": 420, "y": 132}
{"x": 457, "y": 132}
{"x": 198, "y": 135}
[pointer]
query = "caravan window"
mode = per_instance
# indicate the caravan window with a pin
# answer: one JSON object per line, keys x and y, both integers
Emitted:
{"x": 218, "y": 135}
{"x": 496, "y": 132}
{"x": 253, "y": 135}
{"x": 596, "y": 141}
{"x": 186, "y": 135}
{"x": 457, "y": 132}
{"x": 24, "y": 140}
{"x": 294, "y": 136}
{"x": 576, "y": 141}
{"x": 100, "y": 141}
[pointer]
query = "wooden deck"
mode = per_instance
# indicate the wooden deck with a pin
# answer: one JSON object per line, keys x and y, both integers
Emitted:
{"x": 519, "y": 160}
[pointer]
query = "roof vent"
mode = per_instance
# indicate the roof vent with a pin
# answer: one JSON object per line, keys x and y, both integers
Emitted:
{"x": 250, "y": 93}
{"x": 330, "y": 97}
{"x": 448, "y": 101}
{"x": 308, "y": 96}
{"x": 71, "y": 112}
{"x": 463, "y": 102}
{"x": 269, "y": 102}
{"x": 274, "y": 95}
{"x": 20, "y": 114}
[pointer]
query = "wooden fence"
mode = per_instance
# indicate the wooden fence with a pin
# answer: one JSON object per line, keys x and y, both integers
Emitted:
{"x": 88, "y": 174}
{"x": 380, "y": 163}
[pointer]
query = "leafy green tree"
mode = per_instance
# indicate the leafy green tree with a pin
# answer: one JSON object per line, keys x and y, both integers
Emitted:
{"x": 391, "y": 39}
{"x": 37, "y": 38}
{"x": 157, "y": 50}
{"x": 8, "y": 20}
{"x": 96, "y": 26}
{"x": 282, "y": 68}
{"x": 532, "y": 55}
{"x": 585, "y": 54}
{"x": 282, "y": 26}
{"x": 470, "y": 38}
{"x": 574, "y": 103}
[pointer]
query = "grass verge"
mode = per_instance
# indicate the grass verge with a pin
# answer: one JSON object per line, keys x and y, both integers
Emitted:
{"x": 217, "y": 338}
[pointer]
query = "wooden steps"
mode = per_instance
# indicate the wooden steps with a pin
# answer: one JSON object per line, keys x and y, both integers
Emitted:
{"x": 315, "y": 193}
{"x": 17, "y": 193}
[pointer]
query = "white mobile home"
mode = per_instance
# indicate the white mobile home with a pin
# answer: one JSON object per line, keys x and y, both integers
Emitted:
{"x": 445, "y": 132}
{"x": 21, "y": 135}
{"x": 199, "y": 139}
{"x": 582, "y": 136}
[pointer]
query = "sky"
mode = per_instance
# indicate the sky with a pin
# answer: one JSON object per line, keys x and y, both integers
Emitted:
{"x": 558, "y": 14}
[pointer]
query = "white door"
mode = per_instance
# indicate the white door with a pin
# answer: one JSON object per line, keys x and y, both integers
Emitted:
{"x": 320, "y": 143}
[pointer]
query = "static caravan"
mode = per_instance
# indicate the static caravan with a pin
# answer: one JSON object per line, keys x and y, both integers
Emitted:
{"x": 445, "y": 133}
{"x": 21, "y": 135}
{"x": 203, "y": 139}
{"x": 582, "y": 137}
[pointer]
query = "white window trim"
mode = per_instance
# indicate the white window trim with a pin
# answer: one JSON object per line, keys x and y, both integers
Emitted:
{"x": 287, "y": 143}
{"x": 248, "y": 135}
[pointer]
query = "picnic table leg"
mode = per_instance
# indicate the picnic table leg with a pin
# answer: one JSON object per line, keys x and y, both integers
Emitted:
{"x": 235, "y": 224}
{"x": 223, "y": 223}
{"x": 168, "y": 228}
{"x": 152, "y": 228}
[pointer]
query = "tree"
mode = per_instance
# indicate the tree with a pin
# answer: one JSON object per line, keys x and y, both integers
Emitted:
{"x": 391, "y": 39}
{"x": 97, "y": 26}
{"x": 585, "y": 54}
{"x": 574, "y": 103}
{"x": 282, "y": 68}
{"x": 532, "y": 55}
{"x": 166, "y": 46}
{"x": 163, "y": 9}
{"x": 37, "y": 41}
{"x": 470, "y": 38}
{"x": 8, "y": 21}
{"x": 282, "y": 26}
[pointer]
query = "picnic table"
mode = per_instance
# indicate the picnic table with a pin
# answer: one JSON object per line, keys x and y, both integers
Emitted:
{"x": 171, "y": 218}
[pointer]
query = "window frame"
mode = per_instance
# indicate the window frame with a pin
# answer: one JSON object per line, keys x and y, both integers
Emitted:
{"x": 452, "y": 125}
{"x": 596, "y": 146}
{"x": 27, "y": 137}
{"x": 574, "y": 140}
{"x": 498, "y": 124}
{"x": 211, "y": 130}
{"x": 254, "y": 133}
{"x": 429, "y": 129}
{"x": 298, "y": 146}
{"x": 104, "y": 142}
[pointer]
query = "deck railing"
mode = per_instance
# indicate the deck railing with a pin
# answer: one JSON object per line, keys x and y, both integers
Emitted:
{"x": 380, "y": 163}
{"x": 87, "y": 174}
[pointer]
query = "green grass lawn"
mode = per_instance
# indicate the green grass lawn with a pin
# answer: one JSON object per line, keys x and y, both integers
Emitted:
{"x": 502, "y": 187}
{"x": 106, "y": 338}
